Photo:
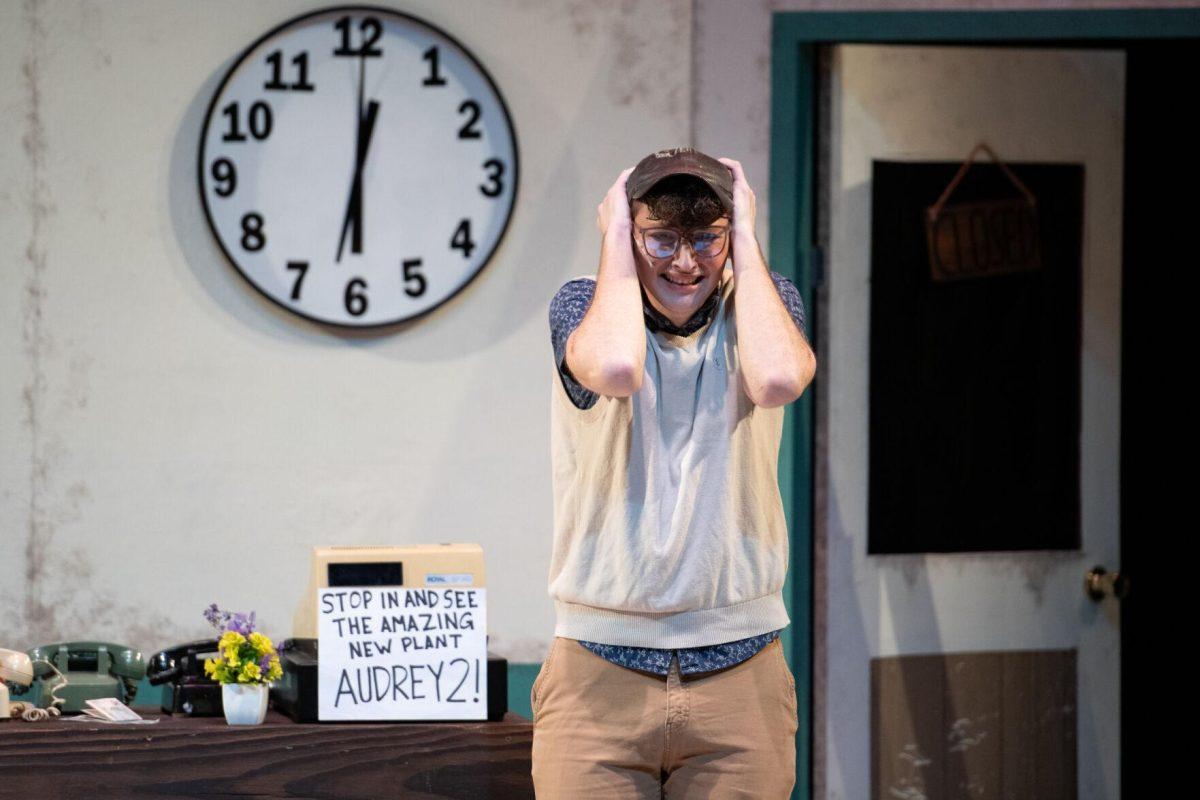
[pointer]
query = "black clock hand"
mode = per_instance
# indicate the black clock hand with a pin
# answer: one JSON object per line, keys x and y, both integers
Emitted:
{"x": 356, "y": 194}
{"x": 354, "y": 202}
{"x": 354, "y": 206}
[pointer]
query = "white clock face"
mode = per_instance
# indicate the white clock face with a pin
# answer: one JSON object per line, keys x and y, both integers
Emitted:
{"x": 358, "y": 166}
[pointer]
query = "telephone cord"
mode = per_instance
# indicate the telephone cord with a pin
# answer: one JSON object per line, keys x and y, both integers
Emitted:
{"x": 31, "y": 713}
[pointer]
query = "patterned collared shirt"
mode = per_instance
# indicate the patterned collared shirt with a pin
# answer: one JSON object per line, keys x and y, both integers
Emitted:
{"x": 567, "y": 309}
{"x": 575, "y": 297}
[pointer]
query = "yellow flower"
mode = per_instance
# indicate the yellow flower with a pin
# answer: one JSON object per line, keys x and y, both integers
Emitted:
{"x": 261, "y": 643}
{"x": 231, "y": 655}
{"x": 210, "y": 667}
{"x": 250, "y": 672}
{"x": 274, "y": 670}
{"x": 231, "y": 639}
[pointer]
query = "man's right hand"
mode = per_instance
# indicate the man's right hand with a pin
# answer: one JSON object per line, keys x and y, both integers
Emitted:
{"x": 607, "y": 351}
{"x": 614, "y": 208}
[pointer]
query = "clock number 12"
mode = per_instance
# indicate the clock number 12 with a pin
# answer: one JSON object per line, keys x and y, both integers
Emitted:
{"x": 371, "y": 31}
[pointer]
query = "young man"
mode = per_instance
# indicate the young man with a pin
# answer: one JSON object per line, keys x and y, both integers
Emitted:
{"x": 673, "y": 365}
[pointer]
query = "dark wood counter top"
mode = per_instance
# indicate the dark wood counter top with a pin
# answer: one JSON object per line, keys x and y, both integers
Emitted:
{"x": 203, "y": 757}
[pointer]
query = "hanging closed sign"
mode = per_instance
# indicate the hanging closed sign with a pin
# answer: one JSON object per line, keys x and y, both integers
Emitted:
{"x": 984, "y": 237}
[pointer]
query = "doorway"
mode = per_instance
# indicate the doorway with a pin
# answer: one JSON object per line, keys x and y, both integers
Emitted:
{"x": 1101, "y": 757}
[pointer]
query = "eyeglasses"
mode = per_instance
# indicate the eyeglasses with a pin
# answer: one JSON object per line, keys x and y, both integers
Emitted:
{"x": 663, "y": 242}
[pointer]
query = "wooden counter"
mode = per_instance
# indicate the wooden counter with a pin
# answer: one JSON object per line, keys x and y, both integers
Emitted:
{"x": 203, "y": 757}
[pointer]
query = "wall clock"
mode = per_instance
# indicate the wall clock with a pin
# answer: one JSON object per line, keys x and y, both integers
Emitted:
{"x": 358, "y": 166}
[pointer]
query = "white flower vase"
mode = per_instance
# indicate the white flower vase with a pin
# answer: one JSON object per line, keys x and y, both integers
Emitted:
{"x": 245, "y": 703}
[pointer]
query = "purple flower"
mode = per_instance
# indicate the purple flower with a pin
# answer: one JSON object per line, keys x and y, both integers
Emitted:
{"x": 242, "y": 623}
{"x": 264, "y": 663}
{"x": 227, "y": 620}
{"x": 216, "y": 617}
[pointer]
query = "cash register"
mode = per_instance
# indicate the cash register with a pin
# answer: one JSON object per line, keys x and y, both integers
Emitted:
{"x": 446, "y": 565}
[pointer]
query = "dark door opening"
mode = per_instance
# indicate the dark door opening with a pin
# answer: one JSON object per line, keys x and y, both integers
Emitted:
{"x": 1161, "y": 180}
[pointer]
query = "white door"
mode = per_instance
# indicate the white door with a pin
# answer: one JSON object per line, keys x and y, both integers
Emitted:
{"x": 918, "y": 103}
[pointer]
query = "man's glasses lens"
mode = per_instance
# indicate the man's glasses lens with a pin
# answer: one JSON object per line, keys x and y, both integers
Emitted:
{"x": 663, "y": 242}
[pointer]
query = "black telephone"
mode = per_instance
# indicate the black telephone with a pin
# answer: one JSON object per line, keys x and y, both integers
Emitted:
{"x": 93, "y": 670}
{"x": 188, "y": 690}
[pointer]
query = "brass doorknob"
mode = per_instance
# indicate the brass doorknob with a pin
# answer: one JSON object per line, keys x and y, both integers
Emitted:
{"x": 1099, "y": 581}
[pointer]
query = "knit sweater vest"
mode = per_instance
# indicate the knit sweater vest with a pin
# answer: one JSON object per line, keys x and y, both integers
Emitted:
{"x": 669, "y": 528}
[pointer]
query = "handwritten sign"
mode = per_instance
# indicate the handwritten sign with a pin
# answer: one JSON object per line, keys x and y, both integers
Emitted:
{"x": 395, "y": 653}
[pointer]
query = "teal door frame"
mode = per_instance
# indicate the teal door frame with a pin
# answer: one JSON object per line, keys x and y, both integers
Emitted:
{"x": 795, "y": 37}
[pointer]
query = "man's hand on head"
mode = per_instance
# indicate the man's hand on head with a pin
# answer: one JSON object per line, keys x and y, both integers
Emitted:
{"x": 614, "y": 208}
{"x": 743, "y": 198}
{"x": 744, "y": 249}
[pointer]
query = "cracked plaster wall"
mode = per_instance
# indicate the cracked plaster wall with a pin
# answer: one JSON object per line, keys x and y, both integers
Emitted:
{"x": 167, "y": 438}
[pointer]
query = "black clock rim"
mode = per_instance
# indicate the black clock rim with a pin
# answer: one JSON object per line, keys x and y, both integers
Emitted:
{"x": 516, "y": 169}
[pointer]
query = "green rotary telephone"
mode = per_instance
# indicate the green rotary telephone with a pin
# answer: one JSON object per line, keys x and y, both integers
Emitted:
{"x": 92, "y": 669}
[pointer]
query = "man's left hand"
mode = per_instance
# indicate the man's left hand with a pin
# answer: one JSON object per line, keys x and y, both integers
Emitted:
{"x": 743, "y": 198}
{"x": 743, "y": 239}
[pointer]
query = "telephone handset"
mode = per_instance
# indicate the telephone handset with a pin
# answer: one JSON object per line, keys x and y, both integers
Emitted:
{"x": 189, "y": 690}
{"x": 18, "y": 670}
{"x": 93, "y": 670}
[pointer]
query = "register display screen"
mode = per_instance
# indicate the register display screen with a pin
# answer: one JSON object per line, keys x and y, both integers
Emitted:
{"x": 371, "y": 574}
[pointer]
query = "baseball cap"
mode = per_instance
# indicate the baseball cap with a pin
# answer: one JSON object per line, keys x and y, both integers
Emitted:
{"x": 681, "y": 161}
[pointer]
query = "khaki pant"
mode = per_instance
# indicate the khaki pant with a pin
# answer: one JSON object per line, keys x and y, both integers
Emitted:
{"x": 601, "y": 730}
